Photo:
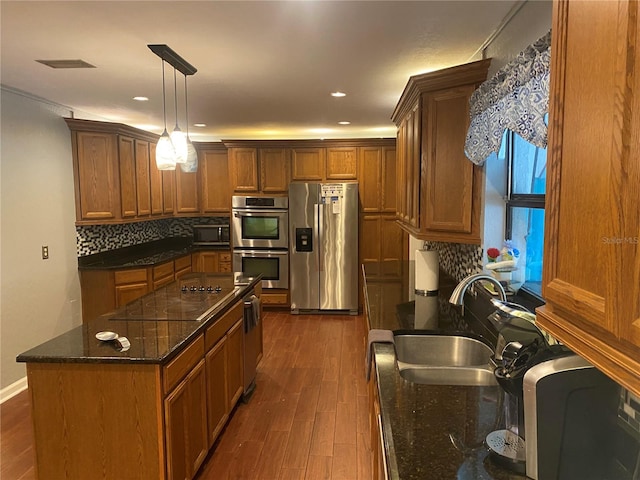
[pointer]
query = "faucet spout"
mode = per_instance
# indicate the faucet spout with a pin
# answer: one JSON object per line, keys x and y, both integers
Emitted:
{"x": 457, "y": 297}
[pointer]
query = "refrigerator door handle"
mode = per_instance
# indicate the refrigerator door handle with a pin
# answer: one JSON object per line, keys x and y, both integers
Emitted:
{"x": 318, "y": 221}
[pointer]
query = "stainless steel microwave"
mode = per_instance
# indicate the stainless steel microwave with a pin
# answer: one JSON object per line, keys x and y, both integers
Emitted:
{"x": 211, "y": 235}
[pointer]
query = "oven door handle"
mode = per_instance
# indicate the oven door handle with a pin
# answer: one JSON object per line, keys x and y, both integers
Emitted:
{"x": 259, "y": 253}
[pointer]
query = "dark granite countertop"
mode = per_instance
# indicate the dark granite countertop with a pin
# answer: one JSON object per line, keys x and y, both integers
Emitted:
{"x": 143, "y": 255}
{"x": 152, "y": 341}
{"x": 419, "y": 420}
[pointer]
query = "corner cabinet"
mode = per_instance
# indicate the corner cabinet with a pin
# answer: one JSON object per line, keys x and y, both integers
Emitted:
{"x": 439, "y": 194}
{"x": 591, "y": 279}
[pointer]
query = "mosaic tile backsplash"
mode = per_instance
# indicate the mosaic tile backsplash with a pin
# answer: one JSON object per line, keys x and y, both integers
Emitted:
{"x": 91, "y": 239}
{"x": 629, "y": 411}
{"x": 457, "y": 259}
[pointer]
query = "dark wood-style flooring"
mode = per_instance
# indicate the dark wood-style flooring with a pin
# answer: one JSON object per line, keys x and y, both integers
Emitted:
{"x": 307, "y": 419}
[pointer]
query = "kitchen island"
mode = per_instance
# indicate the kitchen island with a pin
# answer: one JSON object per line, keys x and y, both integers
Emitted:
{"x": 150, "y": 409}
{"x": 427, "y": 432}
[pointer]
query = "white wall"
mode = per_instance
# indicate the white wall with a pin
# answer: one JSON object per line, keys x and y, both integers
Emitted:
{"x": 39, "y": 298}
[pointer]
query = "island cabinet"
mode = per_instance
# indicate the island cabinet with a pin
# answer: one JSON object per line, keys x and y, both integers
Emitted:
{"x": 591, "y": 275}
{"x": 439, "y": 194}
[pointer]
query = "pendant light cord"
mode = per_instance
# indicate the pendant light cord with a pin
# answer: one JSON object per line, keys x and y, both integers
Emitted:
{"x": 164, "y": 99}
{"x": 186, "y": 106}
{"x": 175, "y": 94}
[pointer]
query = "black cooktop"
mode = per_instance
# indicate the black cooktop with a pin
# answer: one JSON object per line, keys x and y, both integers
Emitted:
{"x": 191, "y": 298}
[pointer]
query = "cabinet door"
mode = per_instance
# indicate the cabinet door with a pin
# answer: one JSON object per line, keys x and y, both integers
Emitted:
{"x": 243, "y": 168}
{"x": 388, "y": 182}
{"x": 342, "y": 163}
{"x": 186, "y": 425}
{"x": 370, "y": 243}
{"x": 186, "y": 192}
{"x": 235, "y": 381}
{"x": 127, "y": 162}
{"x": 591, "y": 275}
{"x": 143, "y": 180}
{"x": 156, "y": 182}
{"x": 414, "y": 130}
{"x": 369, "y": 179}
{"x": 307, "y": 164}
{"x": 217, "y": 406}
{"x": 130, "y": 292}
{"x": 216, "y": 194}
{"x": 448, "y": 183}
{"x": 97, "y": 176}
{"x": 168, "y": 191}
{"x": 275, "y": 168}
{"x": 206, "y": 262}
{"x": 393, "y": 245}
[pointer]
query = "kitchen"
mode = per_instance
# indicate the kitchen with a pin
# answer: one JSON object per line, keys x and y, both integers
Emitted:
{"x": 32, "y": 200}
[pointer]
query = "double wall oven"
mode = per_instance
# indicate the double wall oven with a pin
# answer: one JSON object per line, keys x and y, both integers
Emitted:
{"x": 261, "y": 238}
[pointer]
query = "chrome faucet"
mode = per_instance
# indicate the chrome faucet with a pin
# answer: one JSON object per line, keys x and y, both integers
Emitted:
{"x": 457, "y": 297}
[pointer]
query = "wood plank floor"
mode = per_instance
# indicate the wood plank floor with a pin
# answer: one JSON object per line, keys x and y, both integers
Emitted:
{"x": 307, "y": 419}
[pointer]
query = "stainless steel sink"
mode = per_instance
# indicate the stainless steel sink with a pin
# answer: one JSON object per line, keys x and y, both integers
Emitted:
{"x": 444, "y": 360}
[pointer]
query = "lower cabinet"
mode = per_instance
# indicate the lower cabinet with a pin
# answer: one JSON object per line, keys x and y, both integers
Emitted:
{"x": 186, "y": 425}
{"x": 217, "y": 402}
{"x": 212, "y": 261}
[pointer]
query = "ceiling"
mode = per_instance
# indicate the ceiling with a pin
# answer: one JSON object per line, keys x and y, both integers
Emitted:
{"x": 265, "y": 69}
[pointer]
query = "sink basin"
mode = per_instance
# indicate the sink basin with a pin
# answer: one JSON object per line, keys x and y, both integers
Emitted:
{"x": 441, "y": 350}
{"x": 444, "y": 360}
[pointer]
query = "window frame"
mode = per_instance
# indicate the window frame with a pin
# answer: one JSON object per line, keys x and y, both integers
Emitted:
{"x": 514, "y": 200}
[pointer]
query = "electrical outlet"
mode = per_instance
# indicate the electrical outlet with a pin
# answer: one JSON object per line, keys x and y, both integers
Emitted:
{"x": 45, "y": 252}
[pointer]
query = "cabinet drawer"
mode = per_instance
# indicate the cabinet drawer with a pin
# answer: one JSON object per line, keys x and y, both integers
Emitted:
{"x": 182, "y": 263}
{"x": 274, "y": 298}
{"x": 164, "y": 270}
{"x": 224, "y": 267}
{"x": 131, "y": 276}
{"x": 224, "y": 256}
{"x": 216, "y": 331}
{"x": 175, "y": 370}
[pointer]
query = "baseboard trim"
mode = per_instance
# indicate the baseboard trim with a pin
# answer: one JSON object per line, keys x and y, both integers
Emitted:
{"x": 12, "y": 390}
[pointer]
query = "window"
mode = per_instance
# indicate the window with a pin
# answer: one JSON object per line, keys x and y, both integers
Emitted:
{"x": 527, "y": 174}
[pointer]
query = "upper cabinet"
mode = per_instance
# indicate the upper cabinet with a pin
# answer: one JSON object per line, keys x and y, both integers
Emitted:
{"x": 439, "y": 191}
{"x": 377, "y": 178}
{"x": 307, "y": 164}
{"x": 342, "y": 163}
{"x": 275, "y": 168}
{"x": 591, "y": 279}
{"x": 243, "y": 168}
{"x": 214, "y": 172}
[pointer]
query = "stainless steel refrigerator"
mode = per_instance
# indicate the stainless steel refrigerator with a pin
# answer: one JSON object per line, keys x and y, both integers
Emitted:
{"x": 323, "y": 257}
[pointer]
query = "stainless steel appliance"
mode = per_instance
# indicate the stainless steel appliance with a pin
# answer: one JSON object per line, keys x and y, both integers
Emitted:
{"x": 272, "y": 264}
{"x": 252, "y": 341}
{"x": 211, "y": 235}
{"x": 323, "y": 220}
{"x": 260, "y": 222}
{"x": 570, "y": 410}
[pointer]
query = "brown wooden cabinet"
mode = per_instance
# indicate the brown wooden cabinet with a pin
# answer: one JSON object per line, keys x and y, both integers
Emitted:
{"x": 591, "y": 275}
{"x": 439, "y": 193}
{"x": 308, "y": 164}
{"x": 97, "y": 177}
{"x": 163, "y": 274}
{"x": 235, "y": 372}
{"x": 155, "y": 178}
{"x": 214, "y": 173}
{"x": 377, "y": 179}
{"x": 168, "y": 192}
{"x": 126, "y": 153}
{"x": 182, "y": 266}
{"x": 383, "y": 245}
{"x": 275, "y": 168}
{"x": 186, "y": 192}
{"x": 143, "y": 178}
{"x": 129, "y": 285}
{"x": 217, "y": 402}
{"x": 218, "y": 261}
{"x": 243, "y": 169}
{"x": 342, "y": 163}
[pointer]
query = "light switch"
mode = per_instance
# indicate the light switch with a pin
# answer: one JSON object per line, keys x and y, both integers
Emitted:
{"x": 45, "y": 252}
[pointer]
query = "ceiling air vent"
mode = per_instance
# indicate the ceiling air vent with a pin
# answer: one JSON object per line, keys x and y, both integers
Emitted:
{"x": 66, "y": 63}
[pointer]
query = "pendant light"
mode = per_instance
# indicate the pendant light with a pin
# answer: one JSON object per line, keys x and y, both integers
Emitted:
{"x": 165, "y": 152}
{"x": 174, "y": 148}
{"x": 178, "y": 138}
{"x": 191, "y": 163}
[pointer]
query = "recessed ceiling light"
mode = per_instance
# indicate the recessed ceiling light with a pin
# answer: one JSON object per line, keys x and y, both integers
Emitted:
{"x": 199, "y": 124}
{"x": 141, "y": 99}
{"x": 66, "y": 63}
{"x": 344, "y": 123}
{"x": 338, "y": 94}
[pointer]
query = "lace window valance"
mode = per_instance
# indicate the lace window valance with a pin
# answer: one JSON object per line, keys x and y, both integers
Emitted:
{"x": 517, "y": 98}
